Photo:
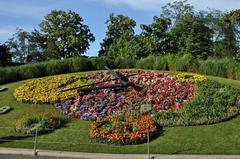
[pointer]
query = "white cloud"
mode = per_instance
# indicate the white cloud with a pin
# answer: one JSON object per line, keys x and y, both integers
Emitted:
{"x": 147, "y": 5}
{"x": 155, "y": 5}
{"x": 17, "y": 10}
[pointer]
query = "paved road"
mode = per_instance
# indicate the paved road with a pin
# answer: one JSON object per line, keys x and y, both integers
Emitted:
{"x": 2, "y": 156}
{"x": 17, "y": 153}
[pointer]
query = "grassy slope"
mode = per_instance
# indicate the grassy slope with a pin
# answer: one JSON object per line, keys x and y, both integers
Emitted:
{"x": 222, "y": 138}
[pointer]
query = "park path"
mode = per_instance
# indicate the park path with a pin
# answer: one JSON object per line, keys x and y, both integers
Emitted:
{"x": 65, "y": 154}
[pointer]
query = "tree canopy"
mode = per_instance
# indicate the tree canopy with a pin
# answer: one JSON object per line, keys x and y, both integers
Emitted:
{"x": 117, "y": 25}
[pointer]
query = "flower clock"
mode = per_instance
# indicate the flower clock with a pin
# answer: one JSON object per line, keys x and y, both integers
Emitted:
{"x": 162, "y": 91}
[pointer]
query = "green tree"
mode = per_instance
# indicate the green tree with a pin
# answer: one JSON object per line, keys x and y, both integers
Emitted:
{"x": 175, "y": 10}
{"x": 155, "y": 37}
{"x": 116, "y": 27}
{"x": 191, "y": 35}
{"x": 232, "y": 32}
{"x": 19, "y": 45}
{"x": 5, "y": 55}
{"x": 66, "y": 34}
{"x": 125, "y": 51}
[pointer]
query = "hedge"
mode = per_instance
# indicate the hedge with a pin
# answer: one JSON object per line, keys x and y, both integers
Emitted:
{"x": 222, "y": 67}
{"x": 53, "y": 67}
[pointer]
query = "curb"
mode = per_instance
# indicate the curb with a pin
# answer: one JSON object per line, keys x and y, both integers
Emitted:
{"x": 83, "y": 155}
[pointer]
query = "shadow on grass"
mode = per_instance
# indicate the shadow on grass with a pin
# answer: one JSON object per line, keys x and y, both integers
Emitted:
{"x": 13, "y": 138}
{"x": 20, "y": 137}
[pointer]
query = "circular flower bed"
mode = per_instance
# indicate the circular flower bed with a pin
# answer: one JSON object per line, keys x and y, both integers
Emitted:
{"x": 182, "y": 99}
{"x": 50, "y": 89}
{"x": 123, "y": 129}
{"x": 161, "y": 91}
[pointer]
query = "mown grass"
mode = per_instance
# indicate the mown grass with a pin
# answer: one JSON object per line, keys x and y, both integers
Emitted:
{"x": 222, "y": 138}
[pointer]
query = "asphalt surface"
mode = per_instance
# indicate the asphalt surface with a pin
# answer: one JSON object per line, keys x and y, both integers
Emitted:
{"x": 3, "y": 156}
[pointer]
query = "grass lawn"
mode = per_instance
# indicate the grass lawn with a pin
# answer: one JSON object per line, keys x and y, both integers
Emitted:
{"x": 222, "y": 138}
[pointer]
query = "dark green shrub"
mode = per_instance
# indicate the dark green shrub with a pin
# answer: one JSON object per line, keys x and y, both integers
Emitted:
{"x": 80, "y": 64}
{"x": 238, "y": 72}
{"x": 160, "y": 63}
{"x": 171, "y": 60}
{"x": 213, "y": 66}
{"x": 31, "y": 71}
{"x": 99, "y": 62}
{"x": 124, "y": 62}
{"x": 43, "y": 122}
{"x": 57, "y": 66}
{"x": 185, "y": 63}
{"x": 53, "y": 67}
{"x": 146, "y": 63}
{"x": 232, "y": 66}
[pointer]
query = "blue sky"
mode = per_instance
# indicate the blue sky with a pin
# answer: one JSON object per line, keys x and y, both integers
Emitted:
{"x": 27, "y": 14}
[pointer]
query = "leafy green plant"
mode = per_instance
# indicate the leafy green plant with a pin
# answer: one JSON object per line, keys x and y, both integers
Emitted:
{"x": 160, "y": 63}
{"x": 53, "y": 67}
{"x": 146, "y": 63}
{"x": 42, "y": 122}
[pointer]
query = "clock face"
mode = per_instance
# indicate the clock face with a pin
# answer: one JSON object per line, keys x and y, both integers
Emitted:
{"x": 143, "y": 91}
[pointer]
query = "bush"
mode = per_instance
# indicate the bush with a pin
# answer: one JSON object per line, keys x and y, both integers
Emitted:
{"x": 238, "y": 72}
{"x": 160, "y": 63}
{"x": 53, "y": 67}
{"x": 213, "y": 66}
{"x": 124, "y": 62}
{"x": 43, "y": 122}
{"x": 171, "y": 60}
{"x": 146, "y": 63}
{"x": 99, "y": 62}
{"x": 224, "y": 67}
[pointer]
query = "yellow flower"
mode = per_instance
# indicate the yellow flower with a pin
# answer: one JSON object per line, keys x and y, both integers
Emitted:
{"x": 190, "y": 77}
{"x": 49, "y": 89}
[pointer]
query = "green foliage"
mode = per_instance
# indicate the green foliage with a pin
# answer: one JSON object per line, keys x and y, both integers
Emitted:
{"x": 71, "y": 37}
{"x": 238, "y": 72}
{"x": 124, "y": 51}
{"x": 192, "y": 36}
{"x": 117, "y": 25}
{"x": 62, "y": 34}
{"x": 214, "y": 66}
{"x": 222, "y": 67}
{"x": 11, "y": 74}
{"x": 185, "y": 63}
{"x": 160, "y": 63}
{"x": 176, "y": 10}
{"x": 99, "y": 62}
{"x": 43, "y": 122}
{"x": 213, "y": 103}
{"x": 5, "y": 56}
{"x": 146, "y": 63}
{"x": 155, "y": 36}
{"x": 19, "y": 45}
